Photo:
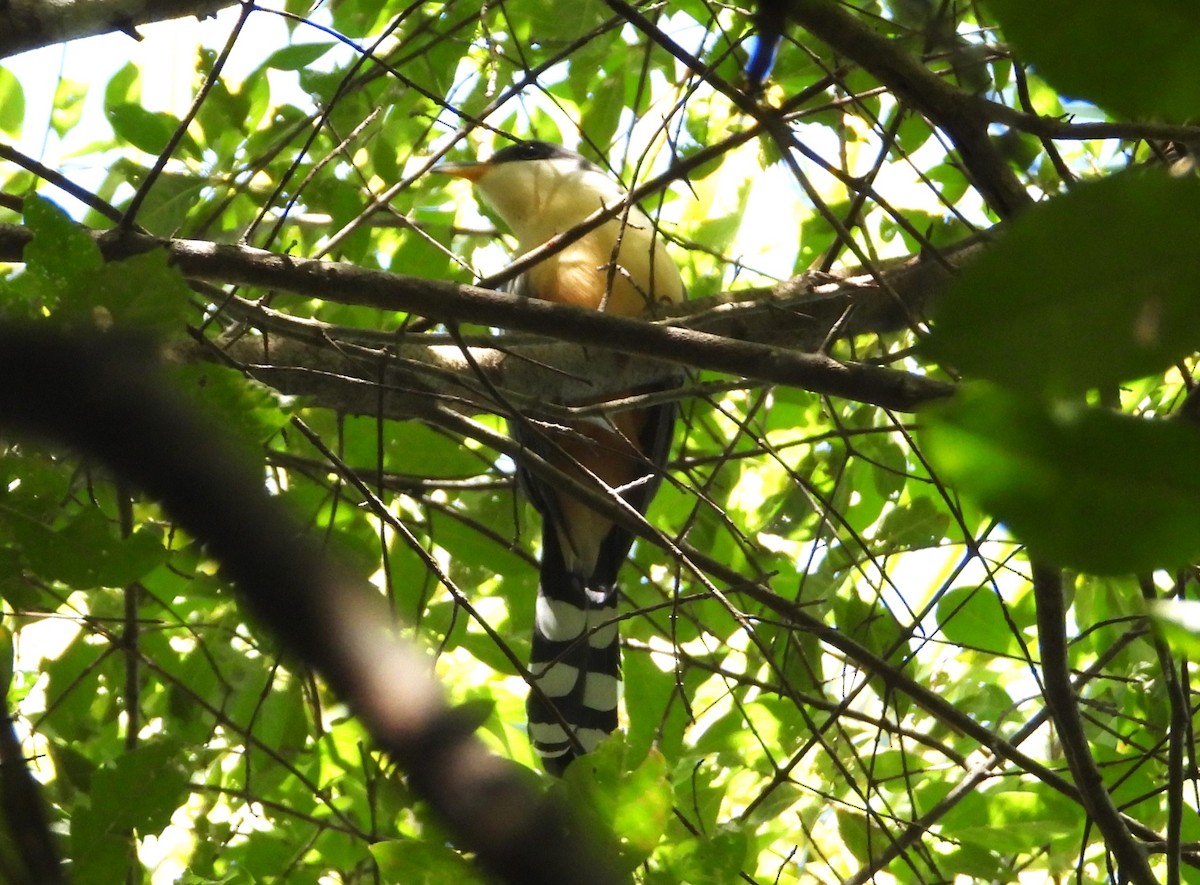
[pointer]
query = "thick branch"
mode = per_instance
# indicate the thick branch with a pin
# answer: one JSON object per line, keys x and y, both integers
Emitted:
{"x": 29, "y": 24}
{"x": 101, "y": 395}
{"x": 454, "y": 303}
{"x": 409, "y": 379}
{"x": 954, "y": 112}
{"x": 1060, "y": 698}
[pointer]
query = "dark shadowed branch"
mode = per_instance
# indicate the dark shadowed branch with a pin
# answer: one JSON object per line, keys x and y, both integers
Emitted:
{"x": 100, "y": 395}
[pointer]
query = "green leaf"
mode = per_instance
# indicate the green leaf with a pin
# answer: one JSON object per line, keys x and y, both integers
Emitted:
{"x": 140, "y": 792}
{"x": 1134, "y": 59}
{"x": 409, "y": 448}
{"x": 708, "y": 861}
{"x": 146, "y": 130}
{"x": 1085, "y": 488}
{"x": 914, "y": 525}
{"x": 653, "y": 719}
{"x": 1089, "y": 289}
{"x": 123, "y": 87}
{"x": 143, "y": 292}
{"x": 297, "y": 56}
{"x": 870, "y": 623}
{"x": 422, "y": 863}
{"x": 977, "y": 862}
{"x": 142, "y": 789}
{"x": 12, "y": 102}
{"x": 1010, "y": 820}
{"x": 861, "y": 836}
{"x": 61, "y": 251}
{"x": 973, "y": 617}
{"x": 69, "y": 99}
{"x": 86, "y": 552}
{"x": 634, "y": 803}
{"x": 246, "y": 410}
{"x": 602, "y": 113}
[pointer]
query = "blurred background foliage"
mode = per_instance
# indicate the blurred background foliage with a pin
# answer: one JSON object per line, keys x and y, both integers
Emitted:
{"x": 175, "y": 744}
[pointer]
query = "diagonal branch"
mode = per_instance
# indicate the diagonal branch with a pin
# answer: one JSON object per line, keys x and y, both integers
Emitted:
{"x": 955, "y": 112}
{"x": 1060, "y": 698}
{"x": 101, "y": 395}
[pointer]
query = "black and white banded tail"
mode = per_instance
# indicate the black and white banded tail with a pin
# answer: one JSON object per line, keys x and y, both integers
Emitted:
{"x": 576, "y": 657}
{"x": 575, "y": 662}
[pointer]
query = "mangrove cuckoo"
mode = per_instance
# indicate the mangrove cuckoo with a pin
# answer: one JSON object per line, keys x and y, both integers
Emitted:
{"x": 540, "y": 190}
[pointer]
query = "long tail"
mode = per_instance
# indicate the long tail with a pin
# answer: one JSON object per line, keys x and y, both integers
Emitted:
{"x": 576, "y": 662}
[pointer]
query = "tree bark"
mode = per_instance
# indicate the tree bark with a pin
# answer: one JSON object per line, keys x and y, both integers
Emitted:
{"x": 31, "y": 24}
{"x": 770, "y": 335}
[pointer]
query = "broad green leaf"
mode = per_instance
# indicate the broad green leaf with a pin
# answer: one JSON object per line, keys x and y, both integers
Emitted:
{"x": 142, "y": 788}
{"x": 1010, "y": 820}
{"x": 69, "y": 99}
{"x": 123, "y": 87}
{"x": 1084, "y": 488}
{"x": 75, "y": 769}
{"x": 143, "y": 292}
{"x": 12, "y": 102}
{"x": 979, "y": 862}
{"x": 67, "y": 270}
{"x": 633, "y": 802}
{"x": 297, "y": 56}
{"x": 422, "y": 863}
{"x": 352, "y": 18}
{"x": 1089, "y": 289}
{"x": 708, "y": 861}
{"x": 249, "y": 412}
{"x": 913, "y": 525}
{"x": 606, "y": 104}
{"x": 86, "y": 552}
{"x": 148, "y": 131}
{"x": 99, "y": 855}
{"x": 972, "y": 617}
{"x": 411, "y": 449}
{"x": 861, "y": 836}
{"x": 1133, "y": 59}
{"x": 140, "y": 791}
{"x": 871, "y": 623}
{"x": 61, "y": 251}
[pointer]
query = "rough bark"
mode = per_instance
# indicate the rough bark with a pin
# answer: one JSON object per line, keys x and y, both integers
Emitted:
{"x": 31, "y": 24}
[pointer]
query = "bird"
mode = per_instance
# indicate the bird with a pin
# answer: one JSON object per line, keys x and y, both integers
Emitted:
{"x": 539, "y": 190}
{"x": 770, "y": 24}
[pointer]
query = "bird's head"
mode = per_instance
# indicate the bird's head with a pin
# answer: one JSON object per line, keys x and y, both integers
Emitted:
{"x": 538, "y": 189}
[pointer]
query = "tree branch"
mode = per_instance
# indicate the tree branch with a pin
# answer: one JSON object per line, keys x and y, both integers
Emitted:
{"x": 30, "y": 24}
{"x": 955, "y": 112}
{"x": 1060, "y": 698}
{"x": 101, "y": 395}
{"x": 670, "y": 342}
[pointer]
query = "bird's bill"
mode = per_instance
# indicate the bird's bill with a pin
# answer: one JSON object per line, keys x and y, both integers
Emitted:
{"x": 469, "y": 171}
